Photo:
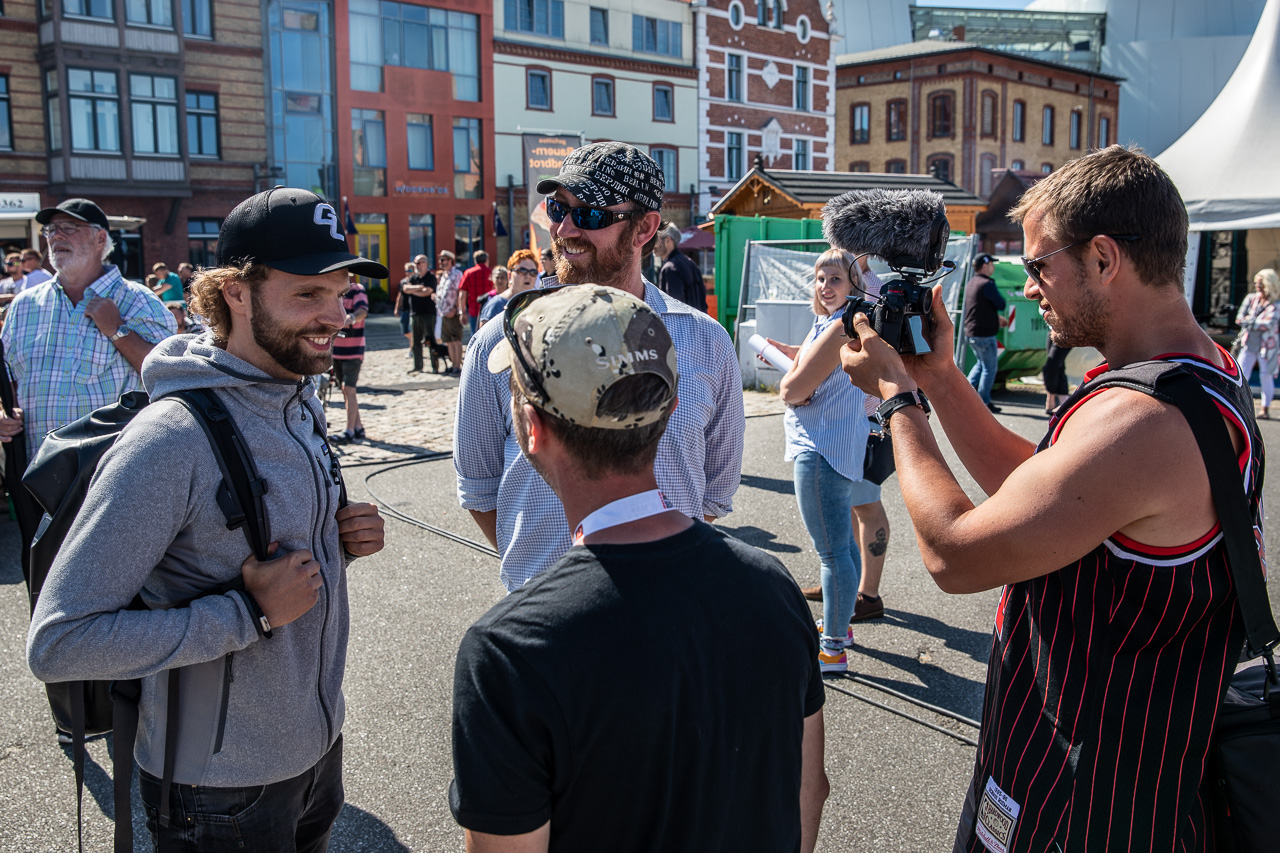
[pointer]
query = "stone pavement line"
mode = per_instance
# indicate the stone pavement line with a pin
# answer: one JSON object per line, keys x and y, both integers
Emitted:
{"x": 409, "y": 414}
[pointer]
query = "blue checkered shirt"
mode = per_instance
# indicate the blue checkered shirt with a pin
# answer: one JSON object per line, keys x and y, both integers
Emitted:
{"x": 66, "y": 368}
{"x": 699, "y": 460}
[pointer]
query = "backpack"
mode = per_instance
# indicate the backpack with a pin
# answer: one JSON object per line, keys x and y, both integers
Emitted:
{"x": 59, "y": 479}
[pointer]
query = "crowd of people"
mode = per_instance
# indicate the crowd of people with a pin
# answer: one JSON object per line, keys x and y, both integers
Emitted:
{"x": 598, "y": 438}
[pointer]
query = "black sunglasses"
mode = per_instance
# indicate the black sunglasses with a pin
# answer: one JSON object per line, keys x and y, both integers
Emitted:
{"x": 1032, "y": 265}
{"x": 530, "y": 378}
{"x": 525, "y": 270}
{"x": 589, "y": 218}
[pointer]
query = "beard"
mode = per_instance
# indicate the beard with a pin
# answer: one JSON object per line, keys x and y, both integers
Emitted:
{"x": 608, "y": 265}
{"x": 284, "y": 344}
{"x": 1086, "y": 326}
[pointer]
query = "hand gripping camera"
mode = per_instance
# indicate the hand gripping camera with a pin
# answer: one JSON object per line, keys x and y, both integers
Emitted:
{"x": 909, "y": 229}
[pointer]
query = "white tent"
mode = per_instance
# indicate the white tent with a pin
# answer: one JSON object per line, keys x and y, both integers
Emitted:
{"x": 1226, "y": 164}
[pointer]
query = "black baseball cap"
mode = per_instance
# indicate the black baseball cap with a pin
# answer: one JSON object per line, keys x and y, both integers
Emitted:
{"x": 982, "y": 260}
{"x": 290, "y": 230}
{"x": 608, "y": 173}
{"x": 76, "y": 208}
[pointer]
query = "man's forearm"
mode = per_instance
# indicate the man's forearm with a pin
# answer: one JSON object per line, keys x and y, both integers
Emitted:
{"x": 134, "y": 348}
{"x": 488, "y": 524}
{"x": 987, "y": 449}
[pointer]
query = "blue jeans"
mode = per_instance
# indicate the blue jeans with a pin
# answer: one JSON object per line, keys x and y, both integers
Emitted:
{"x": 826, "y": 507}
{"x": 296, "y": 814}
{"x": 983, "y": 375}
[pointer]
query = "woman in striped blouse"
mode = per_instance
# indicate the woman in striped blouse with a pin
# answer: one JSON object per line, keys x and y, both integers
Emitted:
{"x": 826, "y": 432}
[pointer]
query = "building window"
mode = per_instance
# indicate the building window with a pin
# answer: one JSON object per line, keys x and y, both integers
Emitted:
{"x": 1046, "y": 168}
{"x": 303, "y": 126}
{"x": 664, "y": 100}
{"x": 989, "y": 113}
{"x": 776, "y": 19}
{"x": 1019, "y": 121}
{"x": 762, "y": 12}
{"x": 939, "y": 165}
{"x": 89, "y": 9}
{"x": 1104, "y": 131}
{"x": 468, "y": 238}
{"x": 860, "y": 166}
{"x": 736, "y": 14}
{"x": 941, "y": 115}
{"x": 733, "y": 76}
{"x": 986, "y": 174}
{"x": 202, "y": 242}
{"x": 411, "y": 36}
{"x": 538, "y": 90}
{"x": 896, "y": 121}
{"x": 666, "y": 160}
{"x": 52, "y": 109}
{"x": 652, "y": 35}
{"x": 422, "y": 234}
{"x": 6, "y": 125}
{"x": 368, "y": 152}
{"x": 802, "y": 29}
{"x": 599, "y": 26}
{"x": 896, "y": 167}
{"x": 802, "y": 88}
{"x": 860, "y": 124}
{"x": 733, "y": 156}
{"x": 602, "y": 96}
{"x": 468, "y": 173}
{"x": 202, "y": 124}
{"x": 800, "y": 156}
{"x": 156, "y": 13}
{"x": 95, "y": 110}
{"x": 1047, "y": 137}
{"x": 422, "y": 149}
{"x": 197, "y": 18}
{"x": 539, "y": 17}
{"x": 1018, "y": 166}
{"x": 1076, "y": 130}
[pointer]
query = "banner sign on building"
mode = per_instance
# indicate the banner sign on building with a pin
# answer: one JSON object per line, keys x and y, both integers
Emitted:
{"x": 543, "y": 157}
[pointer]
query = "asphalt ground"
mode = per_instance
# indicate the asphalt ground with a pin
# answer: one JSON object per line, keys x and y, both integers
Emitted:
{"x": 896, "y": 783}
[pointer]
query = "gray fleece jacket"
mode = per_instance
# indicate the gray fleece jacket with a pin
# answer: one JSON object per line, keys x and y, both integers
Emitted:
{"x": 254, "y": 710}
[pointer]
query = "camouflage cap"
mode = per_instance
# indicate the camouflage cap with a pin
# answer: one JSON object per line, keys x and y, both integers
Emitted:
{"x": 575, "y": 343}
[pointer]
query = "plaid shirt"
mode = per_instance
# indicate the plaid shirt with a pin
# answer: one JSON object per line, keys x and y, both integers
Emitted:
{"x": 699, "y": 462}
{"x": 66, "y": 368}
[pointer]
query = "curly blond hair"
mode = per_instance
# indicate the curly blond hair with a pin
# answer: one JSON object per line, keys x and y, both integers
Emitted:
{"x": 207, "y": 300}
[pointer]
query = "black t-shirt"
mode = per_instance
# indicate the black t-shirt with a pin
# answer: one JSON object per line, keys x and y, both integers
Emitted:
{"x": 422, "y": 304}
{"x": 644, "y": 697}
{"x": 983, "y": 303}
{"x": 679, "y": 277}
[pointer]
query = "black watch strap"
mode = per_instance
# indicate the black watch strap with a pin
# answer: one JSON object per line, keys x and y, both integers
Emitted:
{"x": 260, "y": 622}
{"x": 914, "y": 397}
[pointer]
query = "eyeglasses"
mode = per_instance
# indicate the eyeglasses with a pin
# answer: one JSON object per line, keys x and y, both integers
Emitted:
{"x": 588, "y": 218}
{"x": 525, "y": 270}
{"x": 67, "y": 229}
{"x": 1032, "y": 265}
{"x": 529, "y": 376}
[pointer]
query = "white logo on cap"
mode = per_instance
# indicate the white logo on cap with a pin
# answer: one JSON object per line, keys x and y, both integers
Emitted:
{"x": 326, "y": 215}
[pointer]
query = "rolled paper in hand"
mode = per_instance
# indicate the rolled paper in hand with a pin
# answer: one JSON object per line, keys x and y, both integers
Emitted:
{"x": 769, "y": 353}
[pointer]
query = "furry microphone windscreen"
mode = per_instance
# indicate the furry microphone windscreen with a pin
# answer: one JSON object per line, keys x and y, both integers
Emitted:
{"x": 885, "y": 223}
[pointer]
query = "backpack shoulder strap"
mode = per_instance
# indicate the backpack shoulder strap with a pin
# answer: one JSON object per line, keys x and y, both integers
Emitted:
{"x": 241, "y": 494}
{"x": 1184, "y": 391}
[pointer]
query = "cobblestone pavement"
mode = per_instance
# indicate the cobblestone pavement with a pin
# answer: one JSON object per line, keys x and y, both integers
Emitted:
{"x": 407, "y": 414}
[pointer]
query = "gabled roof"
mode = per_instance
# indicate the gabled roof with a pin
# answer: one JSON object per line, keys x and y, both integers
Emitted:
{"x": 817, "y": 188}
{"x": 936, "y": 48}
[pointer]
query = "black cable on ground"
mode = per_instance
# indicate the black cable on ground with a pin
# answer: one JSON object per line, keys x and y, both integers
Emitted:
{"x": 390, "y": 509}
{"x": 937, "y": 728}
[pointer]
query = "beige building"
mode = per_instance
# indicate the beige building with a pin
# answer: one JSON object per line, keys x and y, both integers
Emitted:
{"x": 965, "y": 113}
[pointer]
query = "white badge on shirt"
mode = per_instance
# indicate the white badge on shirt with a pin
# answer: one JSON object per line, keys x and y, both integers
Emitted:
{"x": 621, "y": 511}
{"x": 997, "y": 816}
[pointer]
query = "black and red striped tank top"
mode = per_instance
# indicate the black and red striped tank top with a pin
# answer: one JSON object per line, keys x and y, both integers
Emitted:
{"x": 1106, "y": 676}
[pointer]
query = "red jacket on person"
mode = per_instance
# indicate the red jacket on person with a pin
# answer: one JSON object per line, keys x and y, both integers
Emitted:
{"x": 475, "y": 283}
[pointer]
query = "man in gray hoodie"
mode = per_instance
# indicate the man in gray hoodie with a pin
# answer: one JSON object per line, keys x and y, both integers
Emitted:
{"x": 259, "y": 750}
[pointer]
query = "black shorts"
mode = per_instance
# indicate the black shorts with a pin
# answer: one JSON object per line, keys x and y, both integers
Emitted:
{"x": 347, "y": 371}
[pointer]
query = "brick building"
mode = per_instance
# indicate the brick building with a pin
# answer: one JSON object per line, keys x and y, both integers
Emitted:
{"x": 154, "y": 110}
{"x": 766, "y": 71}
{"x": 962, "y": 112}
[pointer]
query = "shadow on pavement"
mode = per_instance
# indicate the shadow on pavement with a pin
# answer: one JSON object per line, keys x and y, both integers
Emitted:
{"x": 769, "y": 484}
{"x": 975, "y": 644}
{"x": 936, "y": 686}
{"x": 357, "y": 829}
{"x": 762, "y": 539}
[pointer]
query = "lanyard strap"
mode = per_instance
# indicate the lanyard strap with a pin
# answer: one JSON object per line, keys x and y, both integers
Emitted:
{"x": 622, "y": 511}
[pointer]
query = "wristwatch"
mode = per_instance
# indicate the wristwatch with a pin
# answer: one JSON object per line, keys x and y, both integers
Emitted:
{"x": 121, "y": 332}
{"x": 914, "y": 397}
